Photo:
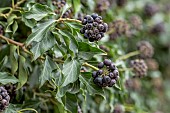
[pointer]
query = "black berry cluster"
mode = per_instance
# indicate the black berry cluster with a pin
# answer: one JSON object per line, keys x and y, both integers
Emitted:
{"x": 11, "y": 89}
{"x": 4, "y": 99}
{"x": 59, "y": 4}
{"x": 136, "y": 21}
{"x": 139, "y": 67}
{"x": 1, "y": 30}
{"x": 158, "y": 29}
{"x": 146, "y": 49}
{"x": 94, "y": 27}
{"x": 150, "y": 9}
{"x": 118, "y": 109}
{"x": 121, "y": 28}
{"x": 107, "y": 75}
{"x": 102, "y": 5}
{"x": 121, "y": 3}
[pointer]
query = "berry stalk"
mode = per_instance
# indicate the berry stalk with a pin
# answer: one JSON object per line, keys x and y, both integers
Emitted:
{"x": 89, "y": 65}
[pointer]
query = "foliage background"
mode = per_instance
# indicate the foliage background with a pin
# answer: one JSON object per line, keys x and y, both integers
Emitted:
{"x": 52, "y": 75}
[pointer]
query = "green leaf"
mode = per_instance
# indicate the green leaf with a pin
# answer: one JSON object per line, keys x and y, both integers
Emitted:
{"x": 6, "y": 78}
{"x": 70, "y": 41}
{"x": 14, "y": 27}
{"x": 71, "y": 71}
{"x": 47, "y": 42}
{"x": 12, "y": 108}
{"x": 76, "y": 5}
{"x": 38, "y": 12}
{"x": 87, "y": 81}
{"x": 13, "y": 58}
{"x": 71, "y": 103}
{"x": 23, "y": 75}
{"x": 72, "y": 88}
{"x": 39, "y": 32}
{"x": 29, "y": 22}
{"x": 46, "y": 73}
{"x": 87, "y": 51}
{"x": 65, "y": 8}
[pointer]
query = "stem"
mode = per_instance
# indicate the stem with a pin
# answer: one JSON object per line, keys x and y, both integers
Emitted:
{"x": 124, "y": 57}
{"x": 125, "y": 69}
{"x": 110, "y": 31}
{"x": 89, "y": 65}
{"x": 27, "y": 109}
{"x": 68, "y": 19}
{"x": 12, "y": 41}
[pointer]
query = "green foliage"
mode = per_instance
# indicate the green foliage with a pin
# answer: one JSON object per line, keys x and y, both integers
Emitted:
{"x": 50, "y": 62}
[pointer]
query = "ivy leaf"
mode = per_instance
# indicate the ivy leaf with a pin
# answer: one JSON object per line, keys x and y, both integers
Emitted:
{"x": 13, "y": 59}
{"x": 92, "y": 88}
{"x": 12, "y": 108}
{"x": 76, "y": 5}
{"x": 71, "y": 42}
{"x": 71, "y": 102}
{"x": 46, "y": 73}
{"x": 39, "y": 32}
{"x": 12, "y": 24}
{"x": 6, "y": 78}
{"x": 47, "y": 42}
{"x": 87, "y": 51}
{"x": 38, "y": 12}
{"x": 23, "y": 75}
{"x": 71, "y": 71}
{"x": 72, "y": 88}
{"x": 65, "y": 8}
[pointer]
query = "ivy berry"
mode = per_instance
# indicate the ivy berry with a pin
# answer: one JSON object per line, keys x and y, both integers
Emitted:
{"x": 4, "y": 99}
{"x": 107, "y": 75}
{"x": 93, "y": 27}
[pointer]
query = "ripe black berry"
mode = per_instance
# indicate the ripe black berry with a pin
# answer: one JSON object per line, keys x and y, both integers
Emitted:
{"x": 94, "y": 27}
{"x": 100, "y": 72}
{"x": 107, "y": 62}
{"x": 106, "y": 79}
{"x": 94, "y": 74}
{"x": 112, "y": 66}
{"x": 94, "y": 15}
{"x": 108, "y": 76}
{"x": 84, "y": 21}
{"x": 98, "y": 81}
{"x": 101, "y": 65}
{"x": 112, "y": 82}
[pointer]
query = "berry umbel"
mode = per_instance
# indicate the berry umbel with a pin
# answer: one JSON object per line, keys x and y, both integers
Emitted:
{"x": 139, "y": 67}
{"x": 4, "y": 99}
{"x": 107, "y": 75}
{"x": 120, "y": 28}
{"x": 146, "y": 49}
{"x": 93, "y": 27}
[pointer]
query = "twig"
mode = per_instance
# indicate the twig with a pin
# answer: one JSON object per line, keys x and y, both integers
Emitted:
{"x": 124, "y": 57}
{"x": 12, "y": 41}
{"x": 68, "y": 19}
{"x": 89, "y": 65}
